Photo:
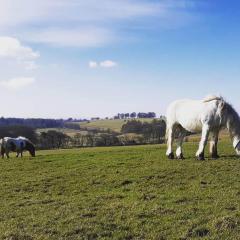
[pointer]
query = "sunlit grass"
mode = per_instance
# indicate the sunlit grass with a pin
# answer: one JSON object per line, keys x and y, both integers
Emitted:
{"x": 120, "y": 193}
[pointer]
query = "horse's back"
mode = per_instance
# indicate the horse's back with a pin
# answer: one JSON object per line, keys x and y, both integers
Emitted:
{"x": 191, "y": 114}
{"x": 12, "y": 144}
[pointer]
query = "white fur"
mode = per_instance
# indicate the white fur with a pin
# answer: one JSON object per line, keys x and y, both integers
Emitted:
{"x": 206, "y": 116}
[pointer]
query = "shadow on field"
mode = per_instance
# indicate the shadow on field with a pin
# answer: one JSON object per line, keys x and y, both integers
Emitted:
{"x": 207, "y": 158}
{"x": 234, "y": 156}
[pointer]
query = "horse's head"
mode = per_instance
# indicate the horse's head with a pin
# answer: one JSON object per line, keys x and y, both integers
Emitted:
{"x": 30, "y": 147}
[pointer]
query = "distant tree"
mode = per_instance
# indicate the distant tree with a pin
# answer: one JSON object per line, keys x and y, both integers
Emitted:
{"x": 78, "y": 140}
{"x": 89, "y": 140}
{"x": 142, "y": 115}
{"x": 133, "y": 115}
{"x": 95, "y": 118}
{"x": 151, "y": 132}
{"x": 53, "y": 139}
{"x": 146, "y": 115}
{"x": 18, "y": 130}
{"x": 32, "y": 122}
{"x": 132, "y": 126}
{"x": 151, "y": 114}
{"x": 126, "y": 115}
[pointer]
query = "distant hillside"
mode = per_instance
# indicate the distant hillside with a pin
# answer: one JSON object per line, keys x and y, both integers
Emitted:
{"x": 114, "y": 124}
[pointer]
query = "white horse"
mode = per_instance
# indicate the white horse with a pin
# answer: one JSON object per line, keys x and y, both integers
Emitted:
{"x": 208, "y": 116}
{"x": 18, "y": 145}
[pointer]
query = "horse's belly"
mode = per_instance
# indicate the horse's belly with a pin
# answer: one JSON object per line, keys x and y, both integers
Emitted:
{"x": 192, "y": 125}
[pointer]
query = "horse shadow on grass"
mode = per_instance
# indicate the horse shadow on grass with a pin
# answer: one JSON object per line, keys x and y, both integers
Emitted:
{"x": 208, "y": 158}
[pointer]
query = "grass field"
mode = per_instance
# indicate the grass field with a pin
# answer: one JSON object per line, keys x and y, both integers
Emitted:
{"x": 120, "y": 193}
{"x": 114, "y": 125}
{"x": 68, "y": 131}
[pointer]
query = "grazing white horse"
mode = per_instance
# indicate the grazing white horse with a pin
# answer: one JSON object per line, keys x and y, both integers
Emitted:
{"x": 208, "y": 116}
{"x": 18, "y": 145}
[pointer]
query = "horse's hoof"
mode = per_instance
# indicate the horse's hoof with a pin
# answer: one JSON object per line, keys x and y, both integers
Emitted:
{"x": 171, "y": 156}
{"x": 215, "y": 156}
{"x": 200, "y": 158}
{"x": 181, "y": 157}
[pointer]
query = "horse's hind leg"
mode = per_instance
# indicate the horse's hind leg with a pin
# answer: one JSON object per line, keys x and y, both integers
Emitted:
{"x": 213, "y": 145}
{"x": 180, "y": 139}
{"x": 203, "y": 142}
{"x": 170, "y": 137}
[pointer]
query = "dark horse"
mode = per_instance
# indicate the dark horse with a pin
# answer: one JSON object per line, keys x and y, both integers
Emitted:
{"x": 17, "y": 145}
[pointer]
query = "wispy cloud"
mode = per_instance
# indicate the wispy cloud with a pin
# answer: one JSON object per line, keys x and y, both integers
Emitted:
{"x": 17, "y": 13}
{"x": 17, "y": 83}
{"x": 79, "y": 37}
{"x": 63, "y": 23}
{"x": 103, "y": 64}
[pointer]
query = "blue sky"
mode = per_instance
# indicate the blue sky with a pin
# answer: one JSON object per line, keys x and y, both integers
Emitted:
{"x": 69, "y": 58}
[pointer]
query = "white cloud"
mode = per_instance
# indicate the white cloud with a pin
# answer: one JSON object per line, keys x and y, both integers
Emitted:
{"x": 103, "y": 64}
{"x": 80, "y": 37}
{"x": 30, "y": 65}
{"x": 93, "y": 64}
{"x": 24, "y": 56}
{"x": 17, "y": 83}
{"x": 12, "y": 48}
{"x": 108, "y": 64}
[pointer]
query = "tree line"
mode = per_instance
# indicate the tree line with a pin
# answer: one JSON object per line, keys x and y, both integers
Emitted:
{"x": 42, "y": 122}
{"x": 133, "y": 132}
{"x": 135, "y": 115}
{"x": 32, "y": 122}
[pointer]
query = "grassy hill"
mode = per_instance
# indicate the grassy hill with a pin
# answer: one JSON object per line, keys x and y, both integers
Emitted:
{"x": 68, "y": 131}
{"x": 120, "y": 193}
{"x": 104, "y": 124}
{"x": 114, "y": 124}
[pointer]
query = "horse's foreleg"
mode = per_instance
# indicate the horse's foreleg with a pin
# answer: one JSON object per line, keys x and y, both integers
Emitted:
{"x": 7, "y": 154}
{"x": 2, "y": 152}
{"x": 213, "y": 145}
{"x": 179, "y": 152}
{"x": 203, "y": 142}
{"x": 170, "y": 136}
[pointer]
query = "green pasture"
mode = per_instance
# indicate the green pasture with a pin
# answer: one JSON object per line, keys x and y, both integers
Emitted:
{"x": 120, "y": 193}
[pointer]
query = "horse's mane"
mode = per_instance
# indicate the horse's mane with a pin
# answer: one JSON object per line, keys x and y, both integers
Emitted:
{"x": 210, "y": 98}
{"x": 226, "y": 107}
{"x": 229, "y": 108}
